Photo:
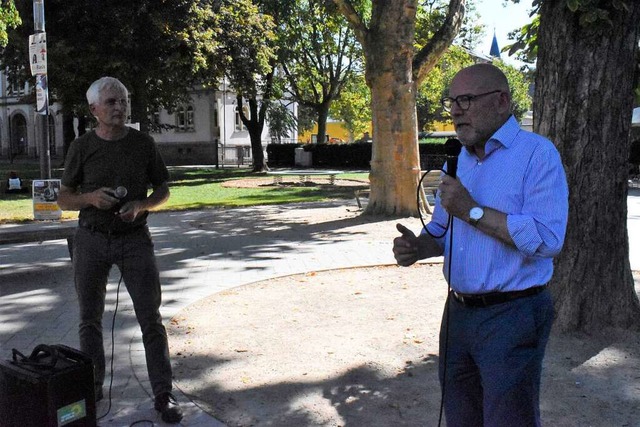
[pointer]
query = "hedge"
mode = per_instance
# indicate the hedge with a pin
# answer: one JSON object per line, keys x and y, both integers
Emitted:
{"x": 346, "y": 156}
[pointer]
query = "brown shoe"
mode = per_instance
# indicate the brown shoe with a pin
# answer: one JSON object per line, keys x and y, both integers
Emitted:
{"x": 168, "y": 407}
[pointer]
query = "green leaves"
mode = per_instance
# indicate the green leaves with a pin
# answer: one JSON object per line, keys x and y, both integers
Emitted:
{"x": 573, "y": 5}
{"x": 596, "y": 14}
{"x": 9, "y": 18}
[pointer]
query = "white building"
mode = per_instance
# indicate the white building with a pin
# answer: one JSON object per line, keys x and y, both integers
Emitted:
{"x": 17, "y": 123}
{"x": 206, "y": 127}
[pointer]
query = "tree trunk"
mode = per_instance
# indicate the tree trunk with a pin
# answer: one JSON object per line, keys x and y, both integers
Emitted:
{"x": 68, "y": 133}
{"x": 392, "y": 72}
{"x": 395, "y": 163}
{"x": 583, "y": 102}
{"x": 82, "y": 125}
{"x": 323, "y": 115}
{"x": 255, "y": 125}
{"x": 138, "y": 97}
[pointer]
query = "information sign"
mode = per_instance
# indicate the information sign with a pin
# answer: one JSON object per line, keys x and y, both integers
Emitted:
{"x": 45, "y": 199}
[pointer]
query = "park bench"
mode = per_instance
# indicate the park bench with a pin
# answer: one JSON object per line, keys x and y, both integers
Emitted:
{"x": 304, "y": 175}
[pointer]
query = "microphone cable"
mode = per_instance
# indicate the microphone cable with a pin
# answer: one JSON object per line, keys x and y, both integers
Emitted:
{"x": 418, "y": 194}
{"x": 448, "y": 227}
{"x": 446, "y": 327}
{"x": 113, "y": 322}
{"x": 121, "y": 192}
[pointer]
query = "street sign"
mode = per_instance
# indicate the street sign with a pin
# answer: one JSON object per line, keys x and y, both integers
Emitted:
{"x": 38, "y": 53}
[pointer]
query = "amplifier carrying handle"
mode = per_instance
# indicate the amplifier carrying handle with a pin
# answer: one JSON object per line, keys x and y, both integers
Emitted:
{"x": 35, "y": 358}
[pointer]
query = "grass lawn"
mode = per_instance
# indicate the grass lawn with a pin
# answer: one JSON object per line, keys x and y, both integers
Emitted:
{"x": 191, "y": 188}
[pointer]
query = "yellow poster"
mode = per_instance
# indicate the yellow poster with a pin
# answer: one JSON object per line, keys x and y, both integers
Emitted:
{"x": 45, "y": 199}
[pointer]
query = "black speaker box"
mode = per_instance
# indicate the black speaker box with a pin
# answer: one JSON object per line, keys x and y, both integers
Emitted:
{"x": 53, "y": 387}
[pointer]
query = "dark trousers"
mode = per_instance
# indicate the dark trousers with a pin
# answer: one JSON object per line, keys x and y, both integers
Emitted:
{"x": 494, "y": 361}
{"x": 94, "y": 254}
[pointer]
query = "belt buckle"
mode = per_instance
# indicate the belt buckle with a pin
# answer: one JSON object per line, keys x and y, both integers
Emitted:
{"x": 459, "y": 298}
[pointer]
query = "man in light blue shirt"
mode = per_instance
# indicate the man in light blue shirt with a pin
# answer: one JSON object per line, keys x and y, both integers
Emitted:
{"x": 498, "y": 225}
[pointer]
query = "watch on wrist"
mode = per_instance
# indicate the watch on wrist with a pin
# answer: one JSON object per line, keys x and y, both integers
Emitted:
{"x": 475, "y": 215}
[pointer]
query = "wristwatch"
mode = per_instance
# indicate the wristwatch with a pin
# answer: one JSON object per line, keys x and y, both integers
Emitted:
{"x": 475, "y": 215}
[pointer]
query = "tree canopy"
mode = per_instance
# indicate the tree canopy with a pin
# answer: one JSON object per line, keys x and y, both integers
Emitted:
{"x": 9, "y": 18}
{"x": 321, "y": 57}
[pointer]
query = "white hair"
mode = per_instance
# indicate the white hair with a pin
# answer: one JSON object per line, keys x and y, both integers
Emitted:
{"x": 93, "y": 93}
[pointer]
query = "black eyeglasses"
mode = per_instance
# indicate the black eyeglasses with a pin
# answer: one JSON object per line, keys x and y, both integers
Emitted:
{"x": 463, "y": 101}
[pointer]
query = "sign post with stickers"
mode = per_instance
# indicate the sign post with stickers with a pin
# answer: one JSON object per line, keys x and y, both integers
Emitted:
{"x": 38, "y": 63}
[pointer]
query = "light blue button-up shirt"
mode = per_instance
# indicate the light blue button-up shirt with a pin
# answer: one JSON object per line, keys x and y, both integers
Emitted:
{"x": 522, "y": 176}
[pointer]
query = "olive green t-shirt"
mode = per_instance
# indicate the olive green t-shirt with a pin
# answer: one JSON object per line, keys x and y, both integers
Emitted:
{"x": 132, "y": 162}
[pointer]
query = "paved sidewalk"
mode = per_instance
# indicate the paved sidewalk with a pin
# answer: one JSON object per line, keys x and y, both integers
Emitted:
{"x": 199, "y": 253}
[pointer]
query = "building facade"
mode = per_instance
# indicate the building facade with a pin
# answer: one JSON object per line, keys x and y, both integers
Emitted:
{"x": 18, "y": 123}
{"x": 205, "y": 130}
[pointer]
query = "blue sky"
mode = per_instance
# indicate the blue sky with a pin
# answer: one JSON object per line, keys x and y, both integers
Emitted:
{"x": 503, "y": 16}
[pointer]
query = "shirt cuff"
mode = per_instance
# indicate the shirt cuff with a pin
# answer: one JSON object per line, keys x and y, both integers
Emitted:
{"x": 524, "y": 233}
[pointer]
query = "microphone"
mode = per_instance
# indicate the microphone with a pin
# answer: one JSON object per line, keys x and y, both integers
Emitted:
{"x": 452, "y": 149}
{"x": 120, "y": 192}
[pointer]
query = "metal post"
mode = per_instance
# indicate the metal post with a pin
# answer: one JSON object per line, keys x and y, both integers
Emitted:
{"x": 42, "y": 97}
{"x": 224, "y": 120}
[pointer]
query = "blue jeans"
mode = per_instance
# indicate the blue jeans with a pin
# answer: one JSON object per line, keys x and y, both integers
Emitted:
{"x": 94, "y": 254}
{"x": 494, "y": 361}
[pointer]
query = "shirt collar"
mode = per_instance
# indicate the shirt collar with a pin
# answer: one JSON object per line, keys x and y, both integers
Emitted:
{"x": 507, "y": 133}
{"x": 503, "y": 137}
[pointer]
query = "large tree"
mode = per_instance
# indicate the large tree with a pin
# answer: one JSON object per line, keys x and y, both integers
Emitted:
{"x": 583, "y": 102}
{"x": 393, "y": 69}
{"x": 247, "y": 51}
{"x": 321, "y": 58}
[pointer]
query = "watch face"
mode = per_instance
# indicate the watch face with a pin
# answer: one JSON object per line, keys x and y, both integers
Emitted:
{"x": 476, "y": 213}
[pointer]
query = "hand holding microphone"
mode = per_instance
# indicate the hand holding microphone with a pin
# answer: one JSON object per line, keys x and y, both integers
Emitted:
{"x": 119, "y": 193}
{"x": 454, "y": 197}
{"x": 126, "y": 211}
{"x": 115, "y": 199}
{"x": 452, "y": 149}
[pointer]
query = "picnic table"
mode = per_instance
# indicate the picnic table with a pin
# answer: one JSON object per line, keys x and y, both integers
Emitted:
{"x": 304, "y": 174}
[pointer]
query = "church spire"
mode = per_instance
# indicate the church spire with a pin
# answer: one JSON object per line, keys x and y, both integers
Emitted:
{"x": 495, "y": 50}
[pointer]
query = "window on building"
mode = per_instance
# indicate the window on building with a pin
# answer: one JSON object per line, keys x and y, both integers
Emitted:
{"x": 16, "y": 88}
{"x": 185, "y": 119}
{"x": 215, "y": 121}
{"x": 190, "y": 118}
{"x": 239, "y": 125}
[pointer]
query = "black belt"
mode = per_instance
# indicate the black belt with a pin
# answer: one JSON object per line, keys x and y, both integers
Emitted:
{"x": 485, "y": 300}
{"x": 95, "y": 228}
